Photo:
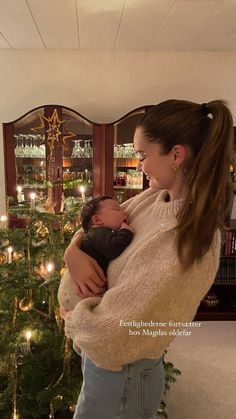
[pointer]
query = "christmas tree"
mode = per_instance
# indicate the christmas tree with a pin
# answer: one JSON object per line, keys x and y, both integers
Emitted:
{"x": 39, "y": 372}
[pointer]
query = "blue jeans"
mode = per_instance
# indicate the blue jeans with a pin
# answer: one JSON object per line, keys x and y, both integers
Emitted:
{"x": 133, "y": 393}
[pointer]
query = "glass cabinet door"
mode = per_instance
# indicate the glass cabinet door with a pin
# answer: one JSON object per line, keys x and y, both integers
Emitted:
{"x": 30, "y": 155}
{"x": 77, "y": 156}
{"x": 127, "y": 179}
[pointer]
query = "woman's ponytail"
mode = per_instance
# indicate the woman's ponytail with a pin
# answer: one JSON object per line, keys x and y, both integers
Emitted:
{"x": 210, "y": 187}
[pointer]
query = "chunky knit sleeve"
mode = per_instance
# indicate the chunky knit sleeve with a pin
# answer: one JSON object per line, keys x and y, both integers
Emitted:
{"x": 154, "y": 290}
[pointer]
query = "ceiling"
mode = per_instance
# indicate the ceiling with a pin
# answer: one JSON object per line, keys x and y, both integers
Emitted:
{"x": 118, "y": 24}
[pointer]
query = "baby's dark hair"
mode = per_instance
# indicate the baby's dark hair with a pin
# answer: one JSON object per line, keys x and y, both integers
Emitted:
{"x": 89, "y": 209}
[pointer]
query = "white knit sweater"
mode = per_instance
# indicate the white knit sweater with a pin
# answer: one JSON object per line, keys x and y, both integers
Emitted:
{"x": 145, "y": 284}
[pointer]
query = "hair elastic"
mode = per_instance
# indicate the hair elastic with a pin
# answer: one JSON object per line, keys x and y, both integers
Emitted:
{"x": 204, "y": 110}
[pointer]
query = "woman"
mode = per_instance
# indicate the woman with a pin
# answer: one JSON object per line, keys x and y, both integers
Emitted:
{"x": 159, "y": 280}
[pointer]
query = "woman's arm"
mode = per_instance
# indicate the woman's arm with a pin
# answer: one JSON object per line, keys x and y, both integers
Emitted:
{"x": 84, "y": 270}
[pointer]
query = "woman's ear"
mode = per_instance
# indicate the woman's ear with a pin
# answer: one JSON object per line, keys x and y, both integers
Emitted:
{"x": 179, "y": 154}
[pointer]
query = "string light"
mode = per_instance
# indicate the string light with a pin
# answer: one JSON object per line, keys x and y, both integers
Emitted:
{"x": 9, "y": 254}
{"x": 50, "y": 267}
{"x": 32, "y": 200}
{"x": 82, "y": 191}
{"x": 19, "y": 193}
{"x": 28, "y": 335}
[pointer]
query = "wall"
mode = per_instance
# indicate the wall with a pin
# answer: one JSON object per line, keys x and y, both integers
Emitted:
{"x": 104, "y": 86}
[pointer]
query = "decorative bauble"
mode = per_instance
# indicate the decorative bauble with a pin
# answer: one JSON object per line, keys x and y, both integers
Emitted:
{"x": 18, "y": 255}
{"x": 42, "y": 232}
{"x": 72, "y": 408}
{"x": 2, "y": 258}
{"x": 38, "y": 224}
{"x": 25, "y": 304}
{"x": 69, "y": 228}
{"x": 41, "y": 271}
{"x": 62, "y": 271}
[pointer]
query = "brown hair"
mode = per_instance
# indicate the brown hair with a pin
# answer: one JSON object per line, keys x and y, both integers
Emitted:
{"x": 89, "y": 209}
{"x": 208, "y": 180}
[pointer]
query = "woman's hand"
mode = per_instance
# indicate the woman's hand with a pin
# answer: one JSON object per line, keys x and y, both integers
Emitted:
{"x": 84, "y": 271}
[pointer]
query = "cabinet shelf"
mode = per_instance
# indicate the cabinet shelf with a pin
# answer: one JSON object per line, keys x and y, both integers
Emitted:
{"x": 125, "y": 167}
{"x": 77, "y": 158}
{"x": 126, "y": 158}
{"x": 229, "y": 256}
{"x": 81, "y": 163}
{"x": 30, "y": 158}
{"x": 127, "y": 163}
{"x": 226, "y": 282}
{"x": 218, "y": 313}
{"x": 127, "y": 187}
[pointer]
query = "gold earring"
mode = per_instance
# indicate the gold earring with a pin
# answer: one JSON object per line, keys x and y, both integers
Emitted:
{"x": 175, "y": 168}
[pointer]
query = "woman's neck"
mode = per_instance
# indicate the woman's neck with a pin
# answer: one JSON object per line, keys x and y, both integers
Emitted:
{"x": 179, "y": 191}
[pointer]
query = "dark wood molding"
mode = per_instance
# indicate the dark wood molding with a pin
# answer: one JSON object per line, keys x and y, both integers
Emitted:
{"x": 9, "y": 159}
{"x": 108, "y": 163}
{"x": 97, "y": 157}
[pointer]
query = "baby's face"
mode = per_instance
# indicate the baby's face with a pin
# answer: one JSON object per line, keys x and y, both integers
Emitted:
{"x": 110, "y": 214}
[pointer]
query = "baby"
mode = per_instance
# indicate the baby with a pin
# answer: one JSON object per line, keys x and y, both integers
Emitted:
{"x": 106, "y": 236}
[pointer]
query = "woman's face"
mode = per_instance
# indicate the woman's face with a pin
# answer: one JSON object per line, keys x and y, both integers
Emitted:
{"x": 155, "y": 165}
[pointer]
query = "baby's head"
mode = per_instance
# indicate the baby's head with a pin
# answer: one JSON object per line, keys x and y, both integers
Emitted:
{"x": 102, "y": 211}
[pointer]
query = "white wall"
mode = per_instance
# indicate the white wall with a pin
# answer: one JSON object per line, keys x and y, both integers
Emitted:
{"x": 105, "y": 85}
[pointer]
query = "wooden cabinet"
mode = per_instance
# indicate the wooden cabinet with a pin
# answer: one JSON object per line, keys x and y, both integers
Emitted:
{"x": 102, "y": 157}
{"x": 56, "y": 144}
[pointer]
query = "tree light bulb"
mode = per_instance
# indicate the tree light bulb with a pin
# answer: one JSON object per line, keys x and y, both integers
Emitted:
{"x": 50, "y": 267}
{"x": 3, "y": 218}
{"x": 9, "y": 254}
{"x": 32, "y": 200}
{"x": 82, "y": 191}
{"x": 28, "y": 335}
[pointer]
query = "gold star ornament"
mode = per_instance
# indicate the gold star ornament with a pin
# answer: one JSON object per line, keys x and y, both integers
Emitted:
{"x": 53, "y": 133}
